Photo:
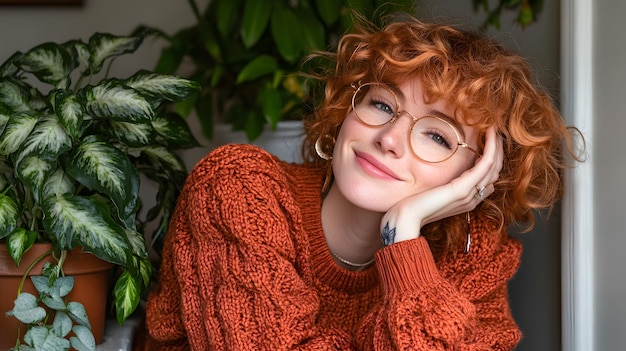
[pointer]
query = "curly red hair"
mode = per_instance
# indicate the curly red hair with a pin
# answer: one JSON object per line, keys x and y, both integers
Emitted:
{"x": 488, "y": 85}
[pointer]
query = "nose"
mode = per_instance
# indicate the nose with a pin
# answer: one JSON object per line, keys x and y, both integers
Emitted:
{"x": 393, "y": 137}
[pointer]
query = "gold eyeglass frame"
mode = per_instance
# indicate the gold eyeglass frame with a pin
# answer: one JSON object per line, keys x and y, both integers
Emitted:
{"x": 398, "y": 114}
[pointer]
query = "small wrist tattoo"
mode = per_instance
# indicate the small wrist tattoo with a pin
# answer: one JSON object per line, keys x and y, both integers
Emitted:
{"x": 388, "y": 235}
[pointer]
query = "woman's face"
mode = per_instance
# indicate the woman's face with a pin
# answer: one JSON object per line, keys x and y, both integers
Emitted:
{"x": 374, "y": 167}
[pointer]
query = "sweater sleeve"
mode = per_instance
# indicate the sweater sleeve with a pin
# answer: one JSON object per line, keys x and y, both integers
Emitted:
{"x": 231, "y": 277}
{"x": 466, "y": 310}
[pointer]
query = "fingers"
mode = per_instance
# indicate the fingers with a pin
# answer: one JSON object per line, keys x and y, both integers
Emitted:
{"x": 488, "y": 167}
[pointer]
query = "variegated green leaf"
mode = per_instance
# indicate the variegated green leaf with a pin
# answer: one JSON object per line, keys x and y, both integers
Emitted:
{"x": 33, "y": 171}
{"x": 9, "y": 68}
{"x": 137, "y": 242}
{"x": 9, "y": 213}
{"x": 79, "y": 51}
{"x": 132, "y": 134}
{"x": 45, "y": 339}
{"x": 70, "y": 109}
{"x": 37, "y": 102}
{"x": 103, "y": 46}
{"x": 175, "y": 130}
{"x": 161, "y": 86}
{"x": 18, "y": 242}
{"x": 17, "y": 130}
{"x": 5, "y": 115}
{"x": 78, "y": 313}
{"x": 165, "y": 158}
{"x": 58, "y": 183}
{"x": 47, "y": 140}
{"x": 113, "y": 100}
{"x": 14, "y": 94}
{"x": 145, "y": 271}
{"x": 100, "y": 166}
{"x": 84, "y": 339}
{"x": 127, "y": 296}
{"x": 25, "y": 309}
{"x": 41, "y": 283}
{"x": 86, "y": 221}
{"x": 49, "y": 62}
{"x": 54, "y": 302}
{"x": 62, "y": 323}
{"x": 62, "y": 286}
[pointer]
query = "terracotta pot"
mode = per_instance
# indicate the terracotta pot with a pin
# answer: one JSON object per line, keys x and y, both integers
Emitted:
{"x": 91, "y": 287}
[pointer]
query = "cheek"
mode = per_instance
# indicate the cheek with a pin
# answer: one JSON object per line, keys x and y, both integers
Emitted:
{"x": 428, "y": 176}
{"x": 350, "y": 130}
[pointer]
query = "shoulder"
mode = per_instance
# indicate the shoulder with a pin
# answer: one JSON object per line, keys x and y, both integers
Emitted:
{"x": 244, "y": 173}
{"x": 236, "y": 163}
{"x": 236, "y": 156}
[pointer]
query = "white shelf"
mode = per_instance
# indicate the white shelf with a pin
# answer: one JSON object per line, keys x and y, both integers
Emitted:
{"x": 119, "y": 338}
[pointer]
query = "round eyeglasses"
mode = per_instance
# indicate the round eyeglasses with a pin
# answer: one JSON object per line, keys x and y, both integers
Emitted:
{"x": 433, "y": 139}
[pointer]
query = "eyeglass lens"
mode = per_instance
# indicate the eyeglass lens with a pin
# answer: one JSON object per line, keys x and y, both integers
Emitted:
{"x": 432, "y": 139}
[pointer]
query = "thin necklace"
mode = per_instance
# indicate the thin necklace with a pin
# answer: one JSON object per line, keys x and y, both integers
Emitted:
{"x": 350, "y": 263}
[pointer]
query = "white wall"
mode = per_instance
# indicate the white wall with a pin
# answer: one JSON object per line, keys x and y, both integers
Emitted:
{"x": 535, "y": 291}
{"x": 609, "y": 172}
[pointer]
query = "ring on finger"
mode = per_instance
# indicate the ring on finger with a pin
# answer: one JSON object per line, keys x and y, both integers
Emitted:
{"x": 480, "y": 192}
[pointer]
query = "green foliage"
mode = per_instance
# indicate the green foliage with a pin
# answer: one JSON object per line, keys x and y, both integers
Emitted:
{"x": 246, "y": 55}
{"x": 71, "y": 155}
{"x": 52, "y": 305}
{"x": 527, "y": 11}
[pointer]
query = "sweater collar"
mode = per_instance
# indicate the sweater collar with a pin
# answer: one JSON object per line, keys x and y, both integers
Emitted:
{"x": 306, "y": 183}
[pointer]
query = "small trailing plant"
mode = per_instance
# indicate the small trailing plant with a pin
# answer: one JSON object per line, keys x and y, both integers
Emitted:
{"x": 67, "y": 316}
{"x": 71, "y": 156}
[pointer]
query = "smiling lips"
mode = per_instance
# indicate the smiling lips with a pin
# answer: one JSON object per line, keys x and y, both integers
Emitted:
{"x": 374, "y": 168}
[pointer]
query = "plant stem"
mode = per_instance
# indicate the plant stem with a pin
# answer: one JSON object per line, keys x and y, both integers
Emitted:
{"x": 60, "y": 263}
{"x": 196, "y": 12}
{"x": 30, "y": 267}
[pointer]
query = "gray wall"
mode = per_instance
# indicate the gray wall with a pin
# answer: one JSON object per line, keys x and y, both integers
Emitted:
{"x": 535, "y": 291}
{"x": 609, "y": 172}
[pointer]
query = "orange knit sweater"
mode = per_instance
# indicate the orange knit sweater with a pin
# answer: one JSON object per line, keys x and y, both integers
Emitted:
{"x": 246, "y": 267}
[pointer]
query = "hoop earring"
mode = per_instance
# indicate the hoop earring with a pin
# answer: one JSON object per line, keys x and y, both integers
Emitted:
{"x": 468, "y": 240}
{"x": 320, "y": 151}
{"x": 328, "y": 179}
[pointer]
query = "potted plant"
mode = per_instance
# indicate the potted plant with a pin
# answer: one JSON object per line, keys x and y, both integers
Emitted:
{"x": 73, "y": 145}
{"x": 246, "y": 55}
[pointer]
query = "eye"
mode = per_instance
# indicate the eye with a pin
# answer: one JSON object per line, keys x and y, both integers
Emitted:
{"x": 383, "y": 107}
{"x": 439, "y": 138}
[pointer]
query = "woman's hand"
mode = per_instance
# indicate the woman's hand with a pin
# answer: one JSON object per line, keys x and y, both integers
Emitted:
{"x": 404, "y": 220}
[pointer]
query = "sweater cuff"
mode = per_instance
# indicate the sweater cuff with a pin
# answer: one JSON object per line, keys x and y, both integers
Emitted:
{"x": 407, "y": 266}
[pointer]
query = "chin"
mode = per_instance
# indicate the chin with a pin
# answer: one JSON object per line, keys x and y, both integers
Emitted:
{"x": 362, "y": 196}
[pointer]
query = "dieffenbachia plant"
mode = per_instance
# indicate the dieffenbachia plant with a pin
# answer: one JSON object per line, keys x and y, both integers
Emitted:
{"x": 71, "y": 154}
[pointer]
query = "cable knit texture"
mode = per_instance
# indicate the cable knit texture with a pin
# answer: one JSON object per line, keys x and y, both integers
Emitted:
{"x": 246, "y": 267}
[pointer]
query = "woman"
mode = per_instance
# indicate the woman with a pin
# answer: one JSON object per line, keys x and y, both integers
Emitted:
{"x": 429, "y": 142}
